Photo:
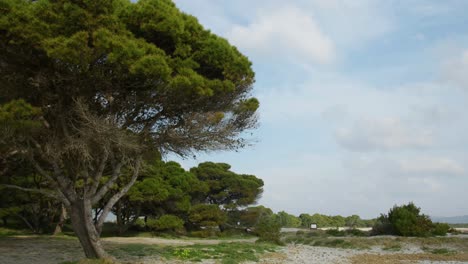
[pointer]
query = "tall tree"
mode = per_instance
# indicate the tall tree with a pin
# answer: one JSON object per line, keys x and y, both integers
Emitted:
{"x": 226, "y": 188}
{"x": 115, "y": 81}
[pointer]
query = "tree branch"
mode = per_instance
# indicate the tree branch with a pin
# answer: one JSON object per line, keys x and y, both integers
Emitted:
{"x": 115, "y": 174}
{"x": 41, "y": 191}
{"x": 98, "y": 175}
{"x": 107, "y": 208}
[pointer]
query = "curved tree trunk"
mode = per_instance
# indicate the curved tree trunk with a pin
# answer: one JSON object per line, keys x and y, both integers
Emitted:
{"x": 82, "y": 222}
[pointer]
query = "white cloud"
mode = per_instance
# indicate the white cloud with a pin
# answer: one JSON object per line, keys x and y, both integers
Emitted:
{"x": 432, "y": 166}
{"x": 455, "y": 70}
{"x": 286, "y": 32}
{"x": 382, "y": 134}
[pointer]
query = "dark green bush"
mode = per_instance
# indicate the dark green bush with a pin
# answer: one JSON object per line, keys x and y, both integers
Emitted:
{"x": 356, "y": 232}
{"x": 204, "y": 233}
{"x": 165, "y": 223}
{"x": 268, "y": 230}
{"x": 440, "y": 229}
{"x": 406, "y": 220}
{"x": 335, "y": 232}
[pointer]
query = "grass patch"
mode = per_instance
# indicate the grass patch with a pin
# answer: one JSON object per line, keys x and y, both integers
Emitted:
{"x": 225, "y": 252}
{"x": 7, "y": 232}
{"x": 392, "y": 247}
{"x": 443, "y": 251}
{"x": 439, "y": 251}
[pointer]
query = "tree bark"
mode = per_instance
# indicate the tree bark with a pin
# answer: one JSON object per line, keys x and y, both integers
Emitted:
{"x": 82, "y": 222}
{"x": 59, "y": 226}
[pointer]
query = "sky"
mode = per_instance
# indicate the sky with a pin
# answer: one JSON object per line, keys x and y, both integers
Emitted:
{"x": 362, "y": 102}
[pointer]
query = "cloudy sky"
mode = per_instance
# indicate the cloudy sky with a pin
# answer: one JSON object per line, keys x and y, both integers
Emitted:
{"x": 363, "y": 103}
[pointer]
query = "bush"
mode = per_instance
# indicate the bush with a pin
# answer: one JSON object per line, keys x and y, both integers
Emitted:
{"x": 406, "y": 220}
{"x": 139, "y": 225}
{"x": 268, "y": 230}
{"x": 440, "y": 229}
{"x": 209, "y": 232}
{"x": 335, "y": 232}
{"x": 382, "y": 226}
{"x": 356, "y": 232}
{"x": 165, "y": 223}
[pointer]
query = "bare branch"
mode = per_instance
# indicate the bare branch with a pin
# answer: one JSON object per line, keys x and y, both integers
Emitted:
{"x": 98, "y": 175}
{"x": 107, "y": 208}
{"x": 115, "y": 174}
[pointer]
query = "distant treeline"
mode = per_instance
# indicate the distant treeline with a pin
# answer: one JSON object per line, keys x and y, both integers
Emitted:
{"x": 305, "y": 220}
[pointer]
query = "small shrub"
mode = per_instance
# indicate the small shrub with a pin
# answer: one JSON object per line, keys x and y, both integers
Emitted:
{"x": 204, "y": 233}
{"x": 268, "y": 230}
{"x": 335, "y": 232}
{"x": 139, "y": 225}
{"x": 356, "y": 232}
{"x": 440, "y": 229}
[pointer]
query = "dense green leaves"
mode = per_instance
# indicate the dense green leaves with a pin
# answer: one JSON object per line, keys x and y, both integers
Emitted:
{"x": 227, "y": 188}
{"x": 407, "y": 220}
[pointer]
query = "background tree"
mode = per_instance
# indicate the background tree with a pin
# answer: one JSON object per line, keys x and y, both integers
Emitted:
{"x": 163, "y": 188}
{"x": 114, "y": 81}
{"x": 226, "y": 188}
{"x": 287, "y": 220}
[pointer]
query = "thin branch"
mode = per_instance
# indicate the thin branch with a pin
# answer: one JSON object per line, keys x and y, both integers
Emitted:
{"x": 98, "y": 175}
{"x": 41, "y": 191}
{"x": 115, "y": 174}
{"x": 107, "y": 208}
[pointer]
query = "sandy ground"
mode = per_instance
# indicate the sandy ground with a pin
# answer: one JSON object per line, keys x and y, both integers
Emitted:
{"x": 41, "y": 250}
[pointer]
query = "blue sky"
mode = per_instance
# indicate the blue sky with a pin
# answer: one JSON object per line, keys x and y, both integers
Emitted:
{"x": 363, "y": 103}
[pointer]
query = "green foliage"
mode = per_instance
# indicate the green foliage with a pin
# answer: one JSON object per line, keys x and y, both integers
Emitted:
{"x": 406, "y": 220}
{"x": 287, "y": 220}
{"x": 165, "y": 223}
{"x": 226, "y": 188}
{"x": 440, "y": 229}
{"x": 6, "y": 232}
{"x": 268, "y": 229}
{"x": 335, "y": 232}
{"x": 206, "y": 215}
{"x": 252, "y": 215}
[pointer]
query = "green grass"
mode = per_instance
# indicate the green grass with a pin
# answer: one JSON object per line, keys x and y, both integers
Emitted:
{"x": 392, "y": 247}
{"x": 225, "y": 252}
{"x": 439, "y": 251}
{"x": 7, "y": 232}
{"x": 443, "y": 251}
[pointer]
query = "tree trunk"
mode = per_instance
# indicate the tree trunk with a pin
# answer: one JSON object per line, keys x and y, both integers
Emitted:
{"x": 5, "y": 222}
{"x": 119, "y": 218}
{"x": 61, "y": 222}
{"x": 82, "y": 223}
